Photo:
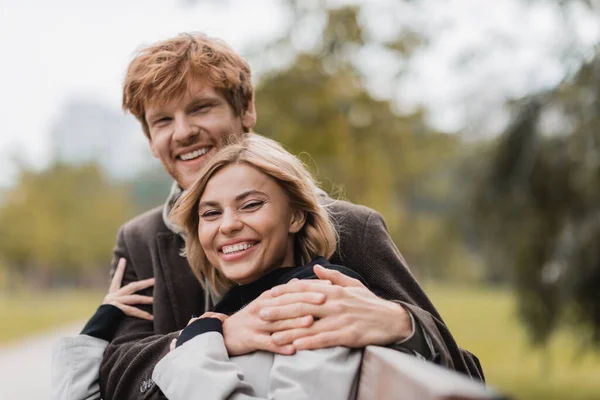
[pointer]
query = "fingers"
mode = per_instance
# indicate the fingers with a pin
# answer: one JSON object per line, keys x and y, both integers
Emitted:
{"x": 289, "y": 311}
{"x": 336, "y": 277}
{"x": 298, "y": 286}
{"x": 134, "y": 312}
{"x": 296, "y": 297}
{"x": 293, "y": 323}
{"x": 136, "y": 286}
{"x": 318, "y": 341}
{"x": 134, "y": 299}
{"x": 321, "y": 334}
{"x": 117, "y": 278}
{"x": 266, "y": 343}
{"x": 219, "y": 316}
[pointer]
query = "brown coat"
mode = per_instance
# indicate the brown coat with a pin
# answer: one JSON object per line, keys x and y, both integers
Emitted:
{"x": 152, "y": 250}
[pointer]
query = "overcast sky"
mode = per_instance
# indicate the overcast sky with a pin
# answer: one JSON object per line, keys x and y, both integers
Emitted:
{"x": 54, "y": 50}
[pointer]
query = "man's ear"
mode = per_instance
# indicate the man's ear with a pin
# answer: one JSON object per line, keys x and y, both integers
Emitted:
{"x": 249, "y": 116}
{"x": 297, "y": 222}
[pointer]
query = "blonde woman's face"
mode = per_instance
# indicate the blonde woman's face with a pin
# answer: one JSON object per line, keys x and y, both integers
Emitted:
{"x": 246, "y": 225}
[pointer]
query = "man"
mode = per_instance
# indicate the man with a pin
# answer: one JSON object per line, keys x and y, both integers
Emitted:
{"x": 191, "y": 94}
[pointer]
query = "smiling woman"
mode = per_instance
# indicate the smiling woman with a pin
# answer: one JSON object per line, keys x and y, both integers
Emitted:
{"x": 253, "y": 209}
{"x": 247, "y": 224}
{"x": 253, "y": 221}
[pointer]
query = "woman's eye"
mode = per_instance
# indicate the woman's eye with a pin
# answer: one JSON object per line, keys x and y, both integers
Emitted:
{"x": 253, "y": 205}
{"x": 210, "y": 214}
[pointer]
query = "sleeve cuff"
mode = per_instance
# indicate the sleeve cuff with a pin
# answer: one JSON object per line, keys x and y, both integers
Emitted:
{"x": 104, "y": 323}
{"x": 418, "y": 343}
{"x": 198, "y": 327}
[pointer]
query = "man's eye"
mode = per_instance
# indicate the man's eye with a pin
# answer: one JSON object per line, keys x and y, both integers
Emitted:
{"x": 161, "y": 121}
{"x": 202, "y": 108}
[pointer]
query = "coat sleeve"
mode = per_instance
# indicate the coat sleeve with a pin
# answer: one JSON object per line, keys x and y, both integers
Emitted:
{"x": 74, "y": 368}
{"x": 126, "y": 368}
{"x": 329, "y": 373}
{"x": 376, "y": 258}
{"x": 201, "y": 368}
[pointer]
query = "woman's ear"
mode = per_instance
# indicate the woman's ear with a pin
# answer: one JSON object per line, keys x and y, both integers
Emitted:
{"x": 297, "y": 221}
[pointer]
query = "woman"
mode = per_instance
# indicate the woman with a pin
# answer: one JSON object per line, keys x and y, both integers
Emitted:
{"x": 76, "y": 360}
{"x": 253, "y": 221}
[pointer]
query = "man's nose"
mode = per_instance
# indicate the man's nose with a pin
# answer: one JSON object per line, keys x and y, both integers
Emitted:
{"x": 230, "y": 223}
{"x": 184, "y": 129}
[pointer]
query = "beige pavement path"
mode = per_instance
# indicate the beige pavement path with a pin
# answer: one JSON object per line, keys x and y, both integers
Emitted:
{"x": 25, "y": 364}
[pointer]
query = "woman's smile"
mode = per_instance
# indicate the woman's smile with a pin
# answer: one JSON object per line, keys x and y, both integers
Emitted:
{"x": 238, "y": 251}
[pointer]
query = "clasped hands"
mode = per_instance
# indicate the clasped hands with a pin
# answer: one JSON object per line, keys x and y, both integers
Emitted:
{"x": 335, "y": 310}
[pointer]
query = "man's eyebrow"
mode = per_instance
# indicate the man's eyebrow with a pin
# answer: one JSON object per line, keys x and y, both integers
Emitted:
{"x": 238, "y": 198}
{"x": 154, "y": 115}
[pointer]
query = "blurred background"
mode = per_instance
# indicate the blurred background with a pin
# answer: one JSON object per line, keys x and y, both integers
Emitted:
{"x": 472, "y": 126}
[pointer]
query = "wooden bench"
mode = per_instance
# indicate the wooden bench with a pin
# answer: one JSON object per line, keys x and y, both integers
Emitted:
{"x": 389, "y": 374}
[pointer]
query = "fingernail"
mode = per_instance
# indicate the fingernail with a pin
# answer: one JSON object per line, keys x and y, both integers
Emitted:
{"x": 298, "y": 343}
{"x": 278, "y": 339}
{"x": 289, "y": 349}
{"x": 275, "y": 291}
{"x": 264, "y": 313}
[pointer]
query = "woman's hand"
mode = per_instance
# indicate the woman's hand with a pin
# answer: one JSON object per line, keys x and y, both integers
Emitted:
{"x": 216, "y": 315}
{"x": 219, "y": 316}
{"x": 124, "y": 297}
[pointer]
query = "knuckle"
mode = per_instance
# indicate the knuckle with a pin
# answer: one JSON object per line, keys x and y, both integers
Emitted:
{"x": 253, "y": 308}
{"x": 340, "y": 309}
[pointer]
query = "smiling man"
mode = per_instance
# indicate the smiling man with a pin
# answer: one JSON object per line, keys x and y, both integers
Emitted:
{"x": 192, "y": 94}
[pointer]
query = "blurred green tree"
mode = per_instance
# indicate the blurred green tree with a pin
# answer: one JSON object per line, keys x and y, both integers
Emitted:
{"x": 537, "y": 205}
{"x": 319, "y": 106}
{"x": 60, "y": 221}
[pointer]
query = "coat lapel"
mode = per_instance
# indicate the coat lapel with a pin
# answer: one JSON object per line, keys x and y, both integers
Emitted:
{"x": 183, "y": 289}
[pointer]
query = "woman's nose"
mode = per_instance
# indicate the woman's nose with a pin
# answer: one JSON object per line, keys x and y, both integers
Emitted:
{"x": 230, "y": 223}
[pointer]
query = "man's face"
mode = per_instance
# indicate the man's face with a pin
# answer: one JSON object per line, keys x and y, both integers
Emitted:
{"x": 186, "y": 132}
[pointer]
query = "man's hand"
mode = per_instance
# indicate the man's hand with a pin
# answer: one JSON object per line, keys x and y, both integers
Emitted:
{"x": 124, "y": 297}
{"x": 351, "y": 315}
{"x": 245, "y": 331}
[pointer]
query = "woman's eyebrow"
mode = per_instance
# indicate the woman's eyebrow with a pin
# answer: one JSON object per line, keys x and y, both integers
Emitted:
{"x": 209, "y": 203}
{"x": 238, "y": 198}
{"x": 249, "y": 193}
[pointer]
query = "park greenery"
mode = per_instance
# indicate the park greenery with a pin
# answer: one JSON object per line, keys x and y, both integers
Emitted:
{"x": 518, "y": 212}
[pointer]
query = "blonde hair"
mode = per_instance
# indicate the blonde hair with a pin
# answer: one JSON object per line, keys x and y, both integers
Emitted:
{"x": 317, "y": 236}
{"x": 160, "y": 73}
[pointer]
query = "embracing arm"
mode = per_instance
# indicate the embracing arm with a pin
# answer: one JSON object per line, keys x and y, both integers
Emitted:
{"x": 378, "y": 260}
{"x": 76, "y": 360}
{"x": 126, "y": 369}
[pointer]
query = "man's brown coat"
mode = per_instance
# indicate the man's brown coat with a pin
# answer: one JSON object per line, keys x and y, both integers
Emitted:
{"x": 152, "y": 250}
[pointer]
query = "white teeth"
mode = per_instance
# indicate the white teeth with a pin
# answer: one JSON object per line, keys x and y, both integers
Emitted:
{"x": 194, "y": 154}
{"x": 236, "y": 248}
